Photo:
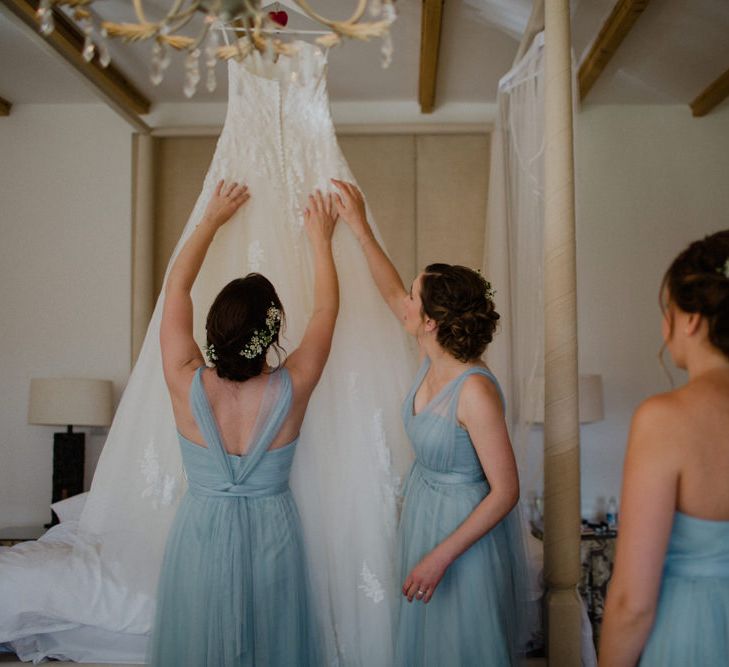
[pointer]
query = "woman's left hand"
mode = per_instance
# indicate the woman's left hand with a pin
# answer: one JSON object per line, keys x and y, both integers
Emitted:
{"x": 226, "y": 200}
{"x": 422, "y": 581}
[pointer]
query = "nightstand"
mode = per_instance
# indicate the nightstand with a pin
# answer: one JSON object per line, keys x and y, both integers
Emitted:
{"x": 16, "y": 534}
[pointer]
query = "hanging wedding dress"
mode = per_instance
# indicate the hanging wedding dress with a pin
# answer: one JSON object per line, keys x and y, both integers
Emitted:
{"x": 279, "y": 139}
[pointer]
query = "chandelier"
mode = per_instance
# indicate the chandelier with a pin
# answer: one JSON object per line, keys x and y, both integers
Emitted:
{"x": 262, "y": 30}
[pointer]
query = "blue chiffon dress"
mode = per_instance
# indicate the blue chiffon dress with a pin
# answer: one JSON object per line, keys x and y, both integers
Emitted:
{"x": 691, "y": 627}
{"x": 476, "y": 615}
{"x": 233, "y": 589}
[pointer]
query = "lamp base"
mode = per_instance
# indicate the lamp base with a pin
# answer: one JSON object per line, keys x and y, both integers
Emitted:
{"x": 68, "y": 467}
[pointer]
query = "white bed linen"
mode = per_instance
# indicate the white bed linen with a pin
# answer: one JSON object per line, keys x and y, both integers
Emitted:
{"x": 52, "y": 585}
{"x": 83, "y": 644}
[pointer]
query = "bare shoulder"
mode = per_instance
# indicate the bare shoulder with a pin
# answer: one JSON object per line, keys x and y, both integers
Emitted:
{"x": 657, "y": 428}
{"x": 658, "y": 413}
{"x": 480, "y": 395}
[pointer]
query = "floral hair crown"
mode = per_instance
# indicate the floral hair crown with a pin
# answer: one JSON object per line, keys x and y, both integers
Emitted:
{"x": 262, "y": 338}
{"x": 724, "y": 269}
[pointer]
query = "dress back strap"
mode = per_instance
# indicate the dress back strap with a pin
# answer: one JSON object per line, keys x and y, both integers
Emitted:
{"x": 203, "y": 415}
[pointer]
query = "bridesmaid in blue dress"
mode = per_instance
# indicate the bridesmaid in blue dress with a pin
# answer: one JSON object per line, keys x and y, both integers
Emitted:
{"x": 233, "y": 588}
{"x": 461, "y": 557}
{"x": 668, "y": 602}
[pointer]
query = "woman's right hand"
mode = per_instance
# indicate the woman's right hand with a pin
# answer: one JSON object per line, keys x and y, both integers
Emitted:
{"x": 225, "y": 201}
{"x": 320, "y": 217}
{"x": 351, "y": 206}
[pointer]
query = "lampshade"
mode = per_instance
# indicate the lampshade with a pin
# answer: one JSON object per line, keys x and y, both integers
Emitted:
{"x": 70, "y": 401}
{"x": 590, "y": 400}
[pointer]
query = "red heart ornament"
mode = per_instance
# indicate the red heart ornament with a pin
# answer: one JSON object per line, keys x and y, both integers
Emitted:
{"x": 281, "y": 18}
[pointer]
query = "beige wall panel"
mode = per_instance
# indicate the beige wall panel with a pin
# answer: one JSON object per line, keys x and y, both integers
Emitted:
{"x": 180, "y": 167}
{"x": 452, "y": 173}
{"x": 384, "y": 166}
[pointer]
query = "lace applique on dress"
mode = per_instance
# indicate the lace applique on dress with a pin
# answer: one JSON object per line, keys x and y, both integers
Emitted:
{"x": 160, "y": 487}
{"x": 390, "y": 482}
{"x": 371, "y": 585}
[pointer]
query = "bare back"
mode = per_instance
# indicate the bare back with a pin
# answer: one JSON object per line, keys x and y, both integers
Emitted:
{"x": 701, "y": 428}
{"x": 235, "y": 406}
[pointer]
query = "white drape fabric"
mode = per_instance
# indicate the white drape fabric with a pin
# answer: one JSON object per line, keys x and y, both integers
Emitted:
{"x": 514, "y": 260}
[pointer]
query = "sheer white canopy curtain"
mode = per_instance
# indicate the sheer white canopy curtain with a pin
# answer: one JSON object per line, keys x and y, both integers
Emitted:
{"x": 514, "y": 259}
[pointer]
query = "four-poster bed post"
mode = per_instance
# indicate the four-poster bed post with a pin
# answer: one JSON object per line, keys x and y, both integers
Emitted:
{"x": 561, "y": 423}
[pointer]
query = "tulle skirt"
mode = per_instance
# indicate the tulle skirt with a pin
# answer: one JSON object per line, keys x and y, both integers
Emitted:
{"x": 475, "y": 616}
{"x": 691, "y": 625}
{"x": 233, "y": 588}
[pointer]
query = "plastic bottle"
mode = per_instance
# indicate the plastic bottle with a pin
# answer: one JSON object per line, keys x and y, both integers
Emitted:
{"x": 611, "y": 515}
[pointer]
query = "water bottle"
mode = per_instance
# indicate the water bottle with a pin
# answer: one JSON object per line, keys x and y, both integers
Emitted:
{"x": 611, "y": 515}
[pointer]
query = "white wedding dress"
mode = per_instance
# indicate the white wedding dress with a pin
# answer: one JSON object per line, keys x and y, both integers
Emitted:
{"x": 279, "y": 139}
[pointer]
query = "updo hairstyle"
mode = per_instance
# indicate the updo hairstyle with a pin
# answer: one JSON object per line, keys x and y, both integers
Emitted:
{"x": 238, "y": 314}
{"x": 698, "y": 282}
{"x": 460, "y": 301}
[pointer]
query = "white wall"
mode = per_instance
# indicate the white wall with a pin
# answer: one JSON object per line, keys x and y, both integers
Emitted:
{"x": 65, "y": 253}
{"x": 649, "y": 181}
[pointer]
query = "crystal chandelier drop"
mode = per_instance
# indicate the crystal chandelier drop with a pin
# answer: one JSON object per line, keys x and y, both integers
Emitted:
{"x": 261, "y": 29}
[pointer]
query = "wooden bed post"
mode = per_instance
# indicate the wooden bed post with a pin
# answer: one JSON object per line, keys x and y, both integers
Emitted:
{"x": 561, "y": 423}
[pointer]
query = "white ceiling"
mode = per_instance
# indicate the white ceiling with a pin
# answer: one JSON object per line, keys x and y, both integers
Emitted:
{"x": 676, "y": 48}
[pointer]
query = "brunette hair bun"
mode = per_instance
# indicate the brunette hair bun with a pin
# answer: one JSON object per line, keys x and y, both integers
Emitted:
{"x": 460, "y": 301}
{"x": 698, "y": 282}
{"x": 239, "y": 313}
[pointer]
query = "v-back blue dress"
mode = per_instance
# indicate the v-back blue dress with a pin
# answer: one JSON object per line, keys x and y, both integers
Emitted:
{"x": 475, "y": 616}
{"x": 233, "y": 588}
{"x": 691, "y": 627}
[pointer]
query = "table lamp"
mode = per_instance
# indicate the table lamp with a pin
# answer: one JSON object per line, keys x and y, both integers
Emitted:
{"x": 70, "y": 402}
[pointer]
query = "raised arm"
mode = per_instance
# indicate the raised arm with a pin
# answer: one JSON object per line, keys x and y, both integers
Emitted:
{"x": 307, "y": 362}
{"x": 481, "y": 413}
{"x": 351, "y": 206}
{"x": 180, "y": 353}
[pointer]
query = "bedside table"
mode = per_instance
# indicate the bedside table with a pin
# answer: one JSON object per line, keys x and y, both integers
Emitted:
{"x": 16, "y": 534}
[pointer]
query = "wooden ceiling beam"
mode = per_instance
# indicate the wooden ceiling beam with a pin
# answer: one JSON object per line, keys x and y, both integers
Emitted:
{"x": 430, "y": 33}
{"x": 4, "y": 107}
{"x": 713, "y": 95}
{"x": 611, "y": 35}
{"x": 67, "y": 40}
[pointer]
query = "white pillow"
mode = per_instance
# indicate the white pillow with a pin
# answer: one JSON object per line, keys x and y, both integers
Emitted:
{"x": 70, "y": 509}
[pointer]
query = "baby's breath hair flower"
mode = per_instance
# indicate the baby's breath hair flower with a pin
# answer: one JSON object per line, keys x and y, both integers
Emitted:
{"x": 724, "y": 269}
{"x": 489, "y": 292}
{"x": 262, "y": 338}
{"x": 210, "y": 354}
